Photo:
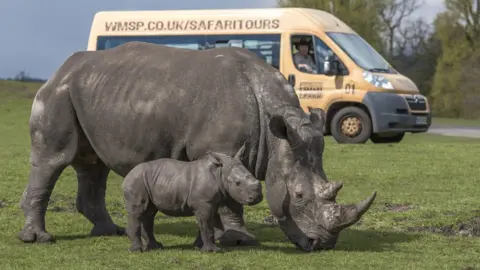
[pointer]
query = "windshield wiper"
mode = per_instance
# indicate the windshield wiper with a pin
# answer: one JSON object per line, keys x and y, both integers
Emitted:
{"x": 379, "y": 70}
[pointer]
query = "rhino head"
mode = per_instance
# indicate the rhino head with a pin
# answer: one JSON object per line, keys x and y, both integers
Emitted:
{"x": 298, "y": 192}
{"x": 236, "y": 179}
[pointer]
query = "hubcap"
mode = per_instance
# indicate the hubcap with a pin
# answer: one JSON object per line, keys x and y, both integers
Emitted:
{"x": 351, "y": 126}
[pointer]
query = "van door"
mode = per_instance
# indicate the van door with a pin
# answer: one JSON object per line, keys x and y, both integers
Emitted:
{"x": 305, "y": 62}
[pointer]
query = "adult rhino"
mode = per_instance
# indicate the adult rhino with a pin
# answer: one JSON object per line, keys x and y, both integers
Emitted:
{"x": 113, "y": 109}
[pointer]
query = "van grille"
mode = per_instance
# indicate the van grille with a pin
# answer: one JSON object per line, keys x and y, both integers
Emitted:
{"x": 416, "y": 103}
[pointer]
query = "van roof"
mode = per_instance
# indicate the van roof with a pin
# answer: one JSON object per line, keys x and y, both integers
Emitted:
{"x": 265, "y": 20}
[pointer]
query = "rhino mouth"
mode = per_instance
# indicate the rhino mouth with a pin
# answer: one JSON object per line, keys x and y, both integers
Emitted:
{"x": 312, "y": 243}
{"x": 308, "y": 246}
{"x": 253, "y": 200}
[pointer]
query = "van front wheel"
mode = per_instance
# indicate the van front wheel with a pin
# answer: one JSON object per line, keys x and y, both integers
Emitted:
{"x": 351, "y": 125}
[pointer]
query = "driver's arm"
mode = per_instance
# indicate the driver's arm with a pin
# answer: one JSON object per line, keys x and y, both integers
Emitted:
{"x": 312, "y": 66}
{"x": 295, "y": 60}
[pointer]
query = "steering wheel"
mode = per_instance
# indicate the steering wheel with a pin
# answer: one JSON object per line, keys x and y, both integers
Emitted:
{"x": 303, "y": 69}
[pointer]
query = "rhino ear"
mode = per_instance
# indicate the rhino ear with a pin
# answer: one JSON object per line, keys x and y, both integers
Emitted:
{"x": 278, "y": 126}
{"x": 240, "y": 152}
{"x": 215, "y": 158}
{"x": 286, "y": 126}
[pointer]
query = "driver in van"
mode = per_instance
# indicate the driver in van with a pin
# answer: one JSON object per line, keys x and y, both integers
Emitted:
{"x": 302, "y": 59}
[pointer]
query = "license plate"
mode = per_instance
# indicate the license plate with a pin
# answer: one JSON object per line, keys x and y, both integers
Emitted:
{"x": 421, "y": 120}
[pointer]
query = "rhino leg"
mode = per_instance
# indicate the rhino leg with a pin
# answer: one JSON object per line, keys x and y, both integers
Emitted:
{"x": 218, "y": 231}
{"x": 92, "y": 177}
{"x": 54, "y": 137}
{"x": 148, "y": 222}
{"x": 34, "y": 202}
{"x": 135, "y": 232}
{"x": 205, "y": 215}
{"x": 140, "y": 213}
{"x": 234, "y": 231}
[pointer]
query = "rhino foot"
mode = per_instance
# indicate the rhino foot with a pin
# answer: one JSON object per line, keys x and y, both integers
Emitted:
{"x": 29, "y": 235}
{"x": 153, "y": 246}
{"x": 198, "y": 242}
{"x": 237, "y": 238}
{"x": 135, "y": 248}
{"x": 111, "y": 230}
{"x": 211, "y": 248}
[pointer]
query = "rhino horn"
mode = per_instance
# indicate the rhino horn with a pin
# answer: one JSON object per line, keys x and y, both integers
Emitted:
{"x": 336, "y": 186}
{"x": 331, "y": 190}
{"x": 347, "y": 215}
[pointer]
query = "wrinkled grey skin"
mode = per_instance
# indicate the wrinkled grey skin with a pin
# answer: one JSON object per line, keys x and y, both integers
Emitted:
{"x": 114, "y": 109}
{"x": 179, "y": 188}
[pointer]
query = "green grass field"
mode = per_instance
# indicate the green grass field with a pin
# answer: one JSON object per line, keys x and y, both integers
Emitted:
{"x": 426, "y": 211}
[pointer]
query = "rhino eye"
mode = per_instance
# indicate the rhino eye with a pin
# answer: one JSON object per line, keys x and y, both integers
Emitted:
{"x": 237, "y": 182}
{"x": 299, "y": 195}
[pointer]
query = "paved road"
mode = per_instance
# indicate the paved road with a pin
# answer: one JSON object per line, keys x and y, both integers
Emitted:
{"x": 457, "y": 131}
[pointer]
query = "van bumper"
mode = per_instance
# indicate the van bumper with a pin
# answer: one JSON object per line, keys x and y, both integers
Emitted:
{"x": 392, "y": 112}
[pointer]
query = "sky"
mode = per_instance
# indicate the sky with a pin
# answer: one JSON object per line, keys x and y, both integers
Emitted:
{"x": 38, "y": 36}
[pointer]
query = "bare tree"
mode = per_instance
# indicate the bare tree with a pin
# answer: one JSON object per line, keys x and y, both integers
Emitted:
{"x": 21, "y": 76}
{"x": 468, "y": 18}
{"x": 413, "y": 37}
{"x": 393, "y": 14}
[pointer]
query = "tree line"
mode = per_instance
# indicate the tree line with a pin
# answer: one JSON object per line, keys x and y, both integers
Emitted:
{"x": 22, "y": 76}
{"x": 442, "y": 58}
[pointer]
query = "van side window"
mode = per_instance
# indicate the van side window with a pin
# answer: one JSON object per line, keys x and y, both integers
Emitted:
{"x": 322, "y": 51}
{"x": 303, "y": 54}
{"x": 309, "y": 53}
{"x": 267, "y": 47}
{"x": 186, "y": 42}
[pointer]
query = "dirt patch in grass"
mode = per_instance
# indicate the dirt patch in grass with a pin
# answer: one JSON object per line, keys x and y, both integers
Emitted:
{"x": 67, "y": 204}
{"x": 397, "y": 208}
{"x": 70, "y": 208}
{"x": 62, "y": 209}
{"x": 444, "y": 230}
{"x": 400, "y": 219}
{"x": 469, "y": 228}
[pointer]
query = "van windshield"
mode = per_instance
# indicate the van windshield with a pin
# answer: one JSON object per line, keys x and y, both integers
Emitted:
{"x": 361, "y": 52}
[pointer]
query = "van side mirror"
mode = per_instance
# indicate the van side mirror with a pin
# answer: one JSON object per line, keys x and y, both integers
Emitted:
{"x": 291, "y": 79}
{"x": 331, "y": 65}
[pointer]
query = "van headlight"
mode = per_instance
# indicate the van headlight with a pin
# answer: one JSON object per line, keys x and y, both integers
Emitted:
{"x": 377, "y": 80}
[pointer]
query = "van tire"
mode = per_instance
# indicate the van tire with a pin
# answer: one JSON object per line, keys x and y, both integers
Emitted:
{"x": 375, "y": 138}
{"x": 346, "y": 120}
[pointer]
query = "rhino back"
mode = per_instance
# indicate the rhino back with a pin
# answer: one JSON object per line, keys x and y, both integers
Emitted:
{"x": 140, "y": 102}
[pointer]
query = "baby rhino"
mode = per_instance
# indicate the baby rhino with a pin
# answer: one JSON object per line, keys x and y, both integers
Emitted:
{"x": 179, "y": 188}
